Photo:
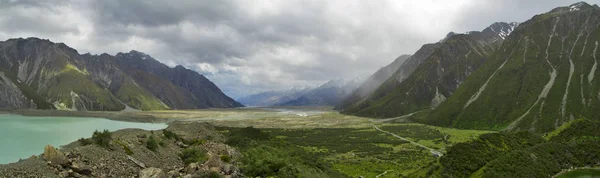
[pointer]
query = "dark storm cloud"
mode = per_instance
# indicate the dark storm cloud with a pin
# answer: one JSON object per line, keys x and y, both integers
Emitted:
{"x": 249, "y": 46}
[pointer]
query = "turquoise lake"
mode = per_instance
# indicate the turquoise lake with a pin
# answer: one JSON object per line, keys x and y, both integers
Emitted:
{"x": 23, "y": 136}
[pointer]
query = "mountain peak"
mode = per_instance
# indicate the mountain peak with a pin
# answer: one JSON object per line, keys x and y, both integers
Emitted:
{"x": 135, "y": 54}
{"x": 574, "y": 7}
{"x": 502, "y": 29}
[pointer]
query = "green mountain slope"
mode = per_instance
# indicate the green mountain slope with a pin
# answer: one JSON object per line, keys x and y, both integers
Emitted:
{"x": 173, "y": 96}
{"x": 543, "y": 76}
{"x": 437, "y": 77}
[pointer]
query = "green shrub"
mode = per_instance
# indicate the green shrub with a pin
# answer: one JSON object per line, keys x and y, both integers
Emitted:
{"x": 226, "y": 158}
{"x": 151, "y": 143}
{"x": 193, "y": 155}
{"x": 102, "y": 138}
{"x": 171, "y": 135}
{"x": 125, "y": 147}
{"x": 85, "y": 142}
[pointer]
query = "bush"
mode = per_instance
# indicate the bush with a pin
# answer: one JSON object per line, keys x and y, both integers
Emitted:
{"x": 152, "y": 144}
{"x": 193, "y": 155}
{"x": 171, "y": 135}
{"x": 226, "y": 158}
{"x": 85, "y": 142}
{"x": 102, "y": 138}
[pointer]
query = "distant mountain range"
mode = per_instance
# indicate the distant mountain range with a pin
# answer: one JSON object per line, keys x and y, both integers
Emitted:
{"x": 273, "y": 98}
{"x": 536, "y": 76}
{"x": 36, "y": 73}
{"x": 327, "y": 94}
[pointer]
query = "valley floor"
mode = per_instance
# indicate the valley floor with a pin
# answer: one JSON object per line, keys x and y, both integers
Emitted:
{"x": 352, "y": 146}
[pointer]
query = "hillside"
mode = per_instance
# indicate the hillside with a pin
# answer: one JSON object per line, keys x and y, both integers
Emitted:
{"x": 392, "y": 81}
{"x": 543, "y": 76}
{"x": 36, "y": 73}
{"x": 373, "y": 82}
{"x": 522, "y": 154}
{"x": 437, "y": 77}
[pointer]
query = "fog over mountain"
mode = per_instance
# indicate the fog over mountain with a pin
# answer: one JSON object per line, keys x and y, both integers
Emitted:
{"x": 247, "y": 47}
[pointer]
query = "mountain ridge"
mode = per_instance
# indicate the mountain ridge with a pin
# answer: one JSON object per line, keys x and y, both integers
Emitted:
{"x": 56, "y": 74}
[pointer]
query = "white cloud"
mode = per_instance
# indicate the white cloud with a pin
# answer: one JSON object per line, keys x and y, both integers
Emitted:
{"x": 251, "y": 46}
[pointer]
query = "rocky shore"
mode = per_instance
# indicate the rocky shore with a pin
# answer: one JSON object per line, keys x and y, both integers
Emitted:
{"x": 137, "y": 153}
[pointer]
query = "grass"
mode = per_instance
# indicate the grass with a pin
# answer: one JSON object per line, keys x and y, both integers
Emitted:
{"x": 580, "y": 173}
{"x": 128, "y": 150}
{"x": 193, "y": 155}
{"x": 368, "y": 152}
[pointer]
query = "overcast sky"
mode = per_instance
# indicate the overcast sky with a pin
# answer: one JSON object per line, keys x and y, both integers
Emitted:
{"x": 249, "y": 46}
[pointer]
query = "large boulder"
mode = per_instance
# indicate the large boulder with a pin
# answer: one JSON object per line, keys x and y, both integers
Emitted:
{"x": 54, "y": 156}
{"x": 152, "y": 173}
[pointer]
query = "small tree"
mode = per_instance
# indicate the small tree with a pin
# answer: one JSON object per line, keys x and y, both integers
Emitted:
{"x": 102, "y": 138}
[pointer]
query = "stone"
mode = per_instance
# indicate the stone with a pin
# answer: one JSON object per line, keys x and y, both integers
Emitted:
{"x": 63, "y": 174}
{"x": 54, "y": 156}
{"x": 182, "y": 145}
{"x": 152, "y": 173}
{"x": 81, "y": 168}
{"x": 191, "y": 168}
{"x": 227, "y": 169}
{"x": 173, "y": 173}
{"x": 215, "y": 169}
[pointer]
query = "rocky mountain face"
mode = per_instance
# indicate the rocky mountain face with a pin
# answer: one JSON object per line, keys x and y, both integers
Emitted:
{"x": 433, "y": 73}
{"x": 331, "y": 93}
{"x": 373, "y": 82}
{"x": 10, "y": 95}
{"x": 41, "y": 74}
{"x": 544, "y": 75}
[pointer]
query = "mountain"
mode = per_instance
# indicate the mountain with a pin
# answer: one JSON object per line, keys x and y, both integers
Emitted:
{"x": 193, "y": 88}
{"x": 329, "y": 94}
{"x": 373, "y": 82}
{"x": 545, "y": 74}
{"x": 271, "y": 98}
{"x": 433, "y": 73}
{"x": 36, "y": 73}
